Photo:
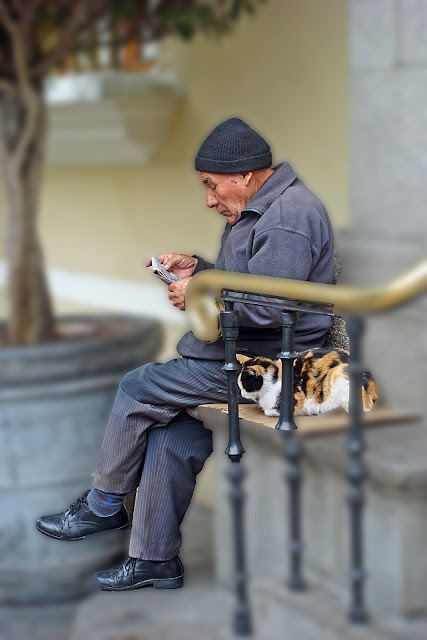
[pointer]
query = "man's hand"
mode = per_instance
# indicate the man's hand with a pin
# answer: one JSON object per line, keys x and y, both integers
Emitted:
{"x": 177, "y": 292}
{"x": 179, "y": 263}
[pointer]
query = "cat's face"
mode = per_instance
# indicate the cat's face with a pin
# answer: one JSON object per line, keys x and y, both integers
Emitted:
{"x": 256, "y": 373}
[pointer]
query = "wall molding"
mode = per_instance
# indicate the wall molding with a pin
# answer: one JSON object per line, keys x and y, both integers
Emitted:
{"x": 109, "y": 117}
{"x": 113, "y": 294}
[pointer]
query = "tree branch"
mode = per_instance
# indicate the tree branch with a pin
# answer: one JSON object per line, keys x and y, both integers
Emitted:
{"x": 6, "y": 19}
{"x": 18, "y": 45}
{"x": 6, "y": 70}
{"x": 18, "y": 5}
{"x": 7, "y": 87}
{"x": 32, "y": 103}
{"x": 65, "y": 42}
{"x": 26, "y": 9}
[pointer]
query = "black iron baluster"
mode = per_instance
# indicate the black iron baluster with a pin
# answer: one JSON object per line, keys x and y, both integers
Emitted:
{"x": 287, "y": 356}
{"x": 242, "y": 618}
{"x": 293, "y": 450}
{"x": 230, "y": 331}
{"x": 356, "y": 472}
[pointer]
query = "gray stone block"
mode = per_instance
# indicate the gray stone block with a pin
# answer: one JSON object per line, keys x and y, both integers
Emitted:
{"x": 374, "y": 260}
{"x": 389, "y": 153}
{"x": 412, "y": 31}
{"x": 372, "y": 33}
{"x": 42, "y": 434}
{"x": 317, "y": 614}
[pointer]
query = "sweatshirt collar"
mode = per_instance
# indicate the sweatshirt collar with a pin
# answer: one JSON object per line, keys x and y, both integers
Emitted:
{"x": 272, "y": 189}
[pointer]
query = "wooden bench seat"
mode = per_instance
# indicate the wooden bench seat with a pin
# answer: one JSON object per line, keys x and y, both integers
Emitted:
{"x": 308, "y": 425}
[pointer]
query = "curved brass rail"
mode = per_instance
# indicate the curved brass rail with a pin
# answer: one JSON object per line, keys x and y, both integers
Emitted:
{"x": 206, "y": 286}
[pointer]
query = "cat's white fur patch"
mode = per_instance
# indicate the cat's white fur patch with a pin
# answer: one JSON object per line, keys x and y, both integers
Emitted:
{"x": 271, "y": 412}
{"x": 267, "y": 396}
{"x": 338, "y": 397}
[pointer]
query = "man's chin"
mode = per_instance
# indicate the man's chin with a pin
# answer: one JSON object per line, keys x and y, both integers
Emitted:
{"x": 231, "y": 219}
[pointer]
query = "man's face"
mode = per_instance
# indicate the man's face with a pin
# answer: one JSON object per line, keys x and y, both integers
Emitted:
{"x": 228, "y": 194}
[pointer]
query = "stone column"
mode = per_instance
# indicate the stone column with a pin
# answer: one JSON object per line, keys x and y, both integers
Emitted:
{"x": 388, "y": 164}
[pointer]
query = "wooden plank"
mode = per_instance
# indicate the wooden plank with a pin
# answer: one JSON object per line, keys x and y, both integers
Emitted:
{"x": 333, "y": 421}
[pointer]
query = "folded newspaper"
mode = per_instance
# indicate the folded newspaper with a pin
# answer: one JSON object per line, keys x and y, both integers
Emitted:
{"x": 166, "y": 276}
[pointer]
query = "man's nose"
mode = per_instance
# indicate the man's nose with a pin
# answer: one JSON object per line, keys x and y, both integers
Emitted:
{"x": 211, "y": 199}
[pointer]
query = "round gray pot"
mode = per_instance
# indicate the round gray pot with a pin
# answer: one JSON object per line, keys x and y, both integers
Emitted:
{"x": 54, "y": 404}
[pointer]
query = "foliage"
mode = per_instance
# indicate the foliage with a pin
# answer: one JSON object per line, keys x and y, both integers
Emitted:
{"x": 37, "y": 37}
{"x": 55, "y": 28}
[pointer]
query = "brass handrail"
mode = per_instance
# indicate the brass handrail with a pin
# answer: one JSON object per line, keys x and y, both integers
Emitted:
{"x": 206, "y": 286}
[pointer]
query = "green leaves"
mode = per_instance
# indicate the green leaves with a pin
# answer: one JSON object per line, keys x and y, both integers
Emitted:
{"x": 61, "y": 30}
{"x": 198, "y": 15}
{"x": 125, "y": 8}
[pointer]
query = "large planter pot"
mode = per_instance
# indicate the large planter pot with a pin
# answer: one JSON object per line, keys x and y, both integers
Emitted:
{"x": 54, "y": 403}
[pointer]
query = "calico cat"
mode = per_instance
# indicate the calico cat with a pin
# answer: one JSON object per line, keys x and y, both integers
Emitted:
{"x": 320, "y": 382}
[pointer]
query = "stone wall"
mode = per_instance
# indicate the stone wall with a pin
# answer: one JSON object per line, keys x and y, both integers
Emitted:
{"x": 388, "y": 171}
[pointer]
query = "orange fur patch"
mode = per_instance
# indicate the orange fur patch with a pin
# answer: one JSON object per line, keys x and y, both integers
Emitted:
{"x": 369, "y": 396}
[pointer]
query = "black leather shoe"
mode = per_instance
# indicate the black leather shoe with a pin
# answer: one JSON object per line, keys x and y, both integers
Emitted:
{"x": 135, "y": 573}
{"x": 78, "y": 521}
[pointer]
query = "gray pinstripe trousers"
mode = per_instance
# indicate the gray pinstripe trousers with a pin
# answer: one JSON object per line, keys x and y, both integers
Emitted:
{"x": 162, "y": 462}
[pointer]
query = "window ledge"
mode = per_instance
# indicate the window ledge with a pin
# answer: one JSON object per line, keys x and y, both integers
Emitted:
{"x": 109, "y": 117}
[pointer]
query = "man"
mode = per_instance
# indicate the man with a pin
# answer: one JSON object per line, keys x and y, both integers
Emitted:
{"x": 274, "y": 226}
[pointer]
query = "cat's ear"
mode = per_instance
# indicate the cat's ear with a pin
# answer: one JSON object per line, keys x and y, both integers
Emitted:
{"x": 241, "y": 358}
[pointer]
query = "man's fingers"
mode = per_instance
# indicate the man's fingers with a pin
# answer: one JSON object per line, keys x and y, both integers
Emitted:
{"x": 176, "y": 295}
{"x": 177, "y": 303}
{"x": 173, "y": 260}
{"x": 181, "y": 261}
{"x": 163, "y": 258}
{"x": 172, "y": 295}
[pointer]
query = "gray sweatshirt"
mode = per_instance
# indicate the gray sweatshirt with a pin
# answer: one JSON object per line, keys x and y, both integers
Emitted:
{"x": 284, "y": 232}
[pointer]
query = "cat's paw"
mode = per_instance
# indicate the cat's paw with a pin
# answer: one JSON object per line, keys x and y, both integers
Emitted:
{"x": 271, "y": 412}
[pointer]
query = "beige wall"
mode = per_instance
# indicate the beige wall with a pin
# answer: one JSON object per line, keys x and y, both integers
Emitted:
{"x": 284, "y": 71}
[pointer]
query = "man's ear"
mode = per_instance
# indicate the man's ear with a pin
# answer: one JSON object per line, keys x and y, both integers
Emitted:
{"x": 247, "y": 177}
{"x": 241, "y": 358}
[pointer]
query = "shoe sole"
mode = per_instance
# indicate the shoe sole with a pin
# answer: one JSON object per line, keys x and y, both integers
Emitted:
{"x": 126, "y": 526}
{"x": 157, "y": 583}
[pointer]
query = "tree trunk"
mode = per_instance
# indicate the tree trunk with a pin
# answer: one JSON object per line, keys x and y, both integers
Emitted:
{"x": 22, "y": 140}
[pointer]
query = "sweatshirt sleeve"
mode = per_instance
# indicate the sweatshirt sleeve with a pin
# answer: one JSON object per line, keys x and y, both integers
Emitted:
{"x": 201, "y": 265}
{"x": 280, "y": 253}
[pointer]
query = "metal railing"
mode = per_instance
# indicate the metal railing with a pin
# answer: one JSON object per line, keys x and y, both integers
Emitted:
{"x": 210, "y": 298}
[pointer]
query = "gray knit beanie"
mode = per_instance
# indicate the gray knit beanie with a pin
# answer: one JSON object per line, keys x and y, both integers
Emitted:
{"x": 233, "y": 147}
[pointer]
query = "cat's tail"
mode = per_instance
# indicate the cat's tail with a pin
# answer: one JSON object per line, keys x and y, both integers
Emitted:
{"x": 369, "y": 391}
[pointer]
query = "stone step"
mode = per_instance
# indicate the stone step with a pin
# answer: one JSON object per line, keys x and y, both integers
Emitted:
{"x": 320, "y": 613}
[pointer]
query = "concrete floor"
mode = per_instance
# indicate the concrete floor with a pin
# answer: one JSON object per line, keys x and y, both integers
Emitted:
{"x": 143, "y": 614}
{"x": 202, "y": 610}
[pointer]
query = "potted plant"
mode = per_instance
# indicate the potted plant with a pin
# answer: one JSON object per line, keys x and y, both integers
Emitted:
{"x": 58, "y": 375}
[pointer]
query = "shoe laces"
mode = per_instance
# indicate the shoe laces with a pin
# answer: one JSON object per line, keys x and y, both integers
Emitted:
{"x": 129, "y": 565}
{"x": 73, "y": 508}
